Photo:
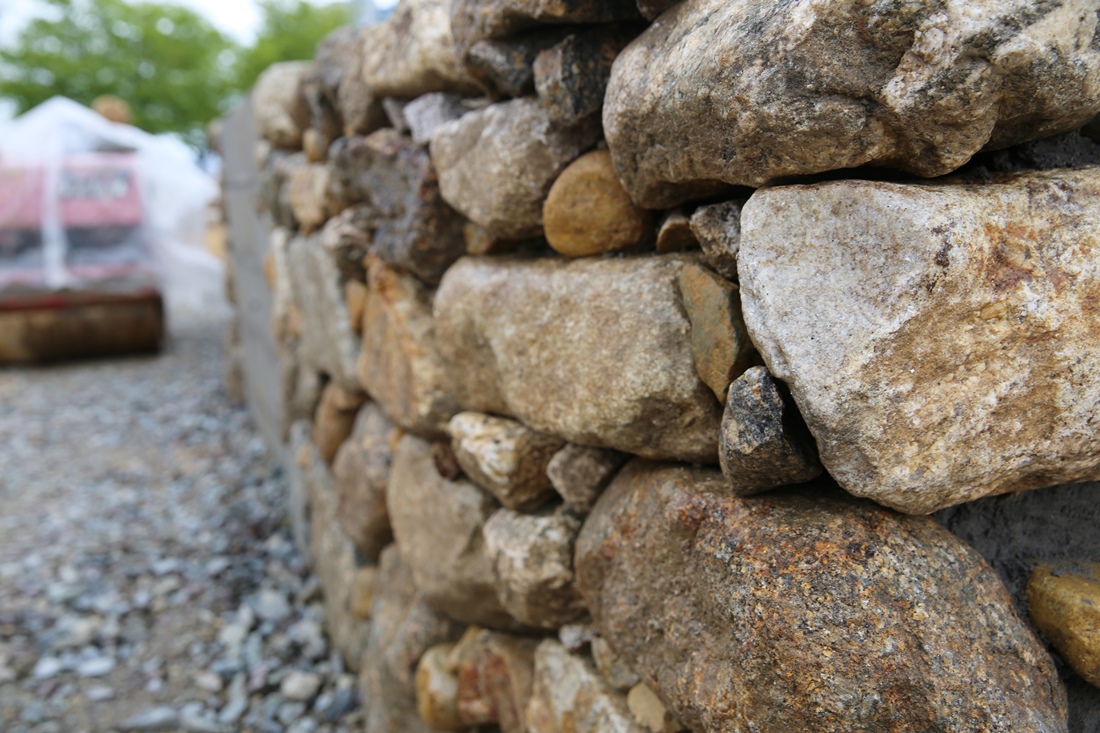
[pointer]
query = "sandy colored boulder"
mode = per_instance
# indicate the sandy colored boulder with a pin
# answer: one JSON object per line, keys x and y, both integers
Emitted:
{"x": 717, "y": 227}
{"x": 362, "y": 472}
{"x": 400, "y": 364}
{"x": 649, "y": 711}
{"x": 579, "y": 474}
{"x": 620, "y": 377}
{"x": 782, "y": 590}
{"x": 355, "y": 297}
{"x": 505, "y": 65}
{"x": 280, "y": 110}
{"x": 437, "y": 690}
{"x": 587, "y": 212}
{"x": 496, "y": 165}
{"x": 720, "y": 345}
{"x": 747, "y": 93}
{"x": 335, "y": 419}
{"x": 950, "y": 353}
{"x": 504, "y": 457}
{"x": 495, "y": 674}
{"x": 1065, "y": 605}
{"x": 570, "y": 695}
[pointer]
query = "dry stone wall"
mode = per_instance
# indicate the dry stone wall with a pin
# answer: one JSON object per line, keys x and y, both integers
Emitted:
{"x": 630, "y": 397}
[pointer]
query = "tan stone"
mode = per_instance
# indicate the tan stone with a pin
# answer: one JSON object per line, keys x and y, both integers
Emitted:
{"x": 613, "y": 668}
{"x": 569, "y": 695}
{"x": 1065, "y": 605}
{"x": 950, "y": 351}
{"x": 504, "y": 457}
{"x": 649, "y": 711}
{"x": 587, "y": 211}
{"x": 718, "y": 229}
{"x": 400, "y": 366}
{"x": 620, "y": 377}
{"x": 720, "y": 345}
{"x": 355, "y": 296}
{"x": 315, "y": 145}
{"x": 364, "y": 587}
{"x": 280, "y": 110}
{"x": 495, "y": 674}
{"x": 579, "y": 474}
{"x": 362, "y": 472}
{"x": 311, "y": 199}
{"x": 335, "y": 419}
{"x": 360, "y": 106}
{"x": 674, "y": 233}
{"x": 437, "y": 690}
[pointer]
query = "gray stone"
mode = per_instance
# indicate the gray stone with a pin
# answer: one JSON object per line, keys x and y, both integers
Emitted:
{"x": 506, "y": 65}
{"x": 99, "y": 666}
{"x": 361, "y": 474}
{"x": 570, "y": 695}
{"x": 360, "y": 106}
{"x": 718, "y": 229}
{"x": 674, "y": 234}
{"x": 949, "y": 354}
{"x": 153, "y": 719}
{"x": 477, "y": 20}
{"x": 496, "y": 165}
{"x": 313, "y": 201}
{"x": 580, "y": 474}
{"x": 280, "y": 109}
{"x": 428, "y": 112}
{"x": 602, "y": 357}
{"x": 336, "y": 57}
{"x": 300, "y": 686}
{"x": 782, "y": 590}
{"x": 571, "y": 76}
{"x": 749, "y": 93}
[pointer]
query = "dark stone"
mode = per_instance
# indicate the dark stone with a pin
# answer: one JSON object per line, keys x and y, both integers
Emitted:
{"x": 505, "y": 65}
{"x": 337, "y": 56}
{"x": 650, "y": 9}
{"x": 479, "y": 20}
{"x": 571, "y": 77}
{"x": 718, "y": 229}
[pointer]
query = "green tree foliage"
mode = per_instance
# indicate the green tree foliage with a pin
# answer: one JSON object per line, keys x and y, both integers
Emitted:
{"x": 172, "y": 66}
{"x": 290, "y": 30}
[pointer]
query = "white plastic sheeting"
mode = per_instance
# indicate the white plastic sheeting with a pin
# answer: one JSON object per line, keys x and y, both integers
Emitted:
{"x": 93, "y": 206}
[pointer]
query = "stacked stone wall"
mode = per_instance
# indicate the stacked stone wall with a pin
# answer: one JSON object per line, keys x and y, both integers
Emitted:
{"x": 710, "y": 366}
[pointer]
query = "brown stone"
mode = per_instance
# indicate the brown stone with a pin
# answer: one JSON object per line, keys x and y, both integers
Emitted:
{"x": 311, "y": 199}
{"x": 718, "y": 229}
{"x": 571, "y": 76}
{"x": 504, "y": 457}
{"x": 580, "y": 474}
{"x": 720, "y": 345}
{"x": 620, "y": 377}
{"x": 780, "y": 591}
{"x": 355, "y": 296}
{"x": 1065, "y": 605}
{"x": 280, "y": 109}
{"x": 649, "y": 711}
{"x": 480, "y": 242}
{"x": 359, "y": 105}
{"x": 613, "y": 668}
{"x": 587, "y": 212}
{"x": 569, "y": 695}
{"x": 476, "y": 20}
{"x": 364, "y": 588}
{"x": 438, "y": 526}
{"x": 315, "y": 145}
{"x": 400, "y": 366}
{"x": 347, "y": 239}
{"x": 674, "y": 233}
{"x": 362, "y": 473}
{"x": 505, "y": 65}
{"x": 437, "y": 690}
{"x": 495, "y": 673}
{"x": 335, "y": 419}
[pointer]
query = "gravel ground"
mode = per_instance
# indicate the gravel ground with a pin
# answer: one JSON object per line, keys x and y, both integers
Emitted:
{"x": 147, "y": 578}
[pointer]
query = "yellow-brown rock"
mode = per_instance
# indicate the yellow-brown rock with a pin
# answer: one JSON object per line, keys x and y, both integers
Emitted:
{"x": 437, "y": 690}
{"x": 335, "y": 419}
{"x": 1065, "y": 605}
{"x": 588, "y": 212}
{"x": 364, "y": 587}
{"x": 720, "y": 345}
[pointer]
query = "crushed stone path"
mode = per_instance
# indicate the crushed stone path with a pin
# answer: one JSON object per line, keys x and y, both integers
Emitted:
{"x": 147, "y": 578}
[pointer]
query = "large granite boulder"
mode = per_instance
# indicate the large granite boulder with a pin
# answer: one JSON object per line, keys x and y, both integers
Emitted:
{"x": 595, "y": 351}
{"x": 806, "y": 609}
{"x": 940, "y": 340}
{"x": 747, "y": 93}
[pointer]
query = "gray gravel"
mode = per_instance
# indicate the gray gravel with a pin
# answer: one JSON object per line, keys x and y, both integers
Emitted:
{"x": 147, "y": 579}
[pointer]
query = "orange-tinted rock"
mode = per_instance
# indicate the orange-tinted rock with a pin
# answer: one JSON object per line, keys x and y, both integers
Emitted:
{"x": 720, "y": 345}
{"x": 495, "y": 674}
{"x": 1065, "y": 604}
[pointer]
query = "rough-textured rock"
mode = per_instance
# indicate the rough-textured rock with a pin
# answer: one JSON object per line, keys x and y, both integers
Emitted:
{"x": 532, "y": 556}
{"x": 476, "y": 20}
{"x": 360, "y": 107}
{"x": 587, "y": 212}
{"x": 334, "y": 419}
{"x": 414, "y": 53}
{"x": 495, "y": 674}
{"x": 764, "y": 441}
{"x": 437, "y": 524}
{"x": 571, "y": 77}
{"x": 430, "y": 111}
{"x": 437, "y": 690}
{"x": 718, "y": 229}
{"x": 409, "y": 223}
{"x": 570, "y": 695}
{"x": 781, "y": 591}
{"x": 311, "y": 199}
{"x": 336, "y": 57}
{"x": 1065, "y": 605}
{"x": 504, "y": 457}
{"x": 281, "y": 111}
{"x": 404, "y": 627}
{"x": 506, "y": 65}
{"x": 612, "y": 667}
{"x": 400, "y": 366}
{"x": 362, "y": 472}
{"x": 580, "y": 474}
{"x": 347, "y": 238}
{"x": 749, "y": 93}
{"x": 949, "y": 353}
{"x": 364, "y": 589}
{"x": 674, "y": 234}
{"x": 496, "y": 165}
{"x": 649, "y": 711}
{"x": 602, "y": 357}
{"x": 720, "y": 345}
{"x": 275, "y": 178}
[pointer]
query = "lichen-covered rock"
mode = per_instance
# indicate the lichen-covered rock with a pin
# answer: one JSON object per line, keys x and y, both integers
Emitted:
{"x": 496, "y": 165}
{"x": 532, "y": 556}
{"x": 720, "y": 345}
{"x": 764, "y": 441}
{"x": 477, "y": 20}
{"x": 600, "y": 355}
{"x": 587, "y": 212}
{"x": 950, "y": 353}
{"x": 717, "y": 227}
{"x": 495, "y": 674}
{"x": 747, "y": 93}
{"x": 414, "y": 53}
{"x": 570, "y": 695}
{"x": 437, "y": 524}
{"x": 280, "y": 109}
{"x": 362, "y": 473}
{"x": 335, "y": 418}
{"x": 400, "y": 366}
{"x": 504, "y": 457}
{"x": 781, "y": 591}
{"x": 579, "y": 474}
{"x": 571, "y": 76}
{"x": 1065, "y": 605}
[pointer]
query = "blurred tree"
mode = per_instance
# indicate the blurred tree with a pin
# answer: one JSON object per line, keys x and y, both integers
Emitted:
{"x": 170, "y": 64}
{"x": 290, "y": 31}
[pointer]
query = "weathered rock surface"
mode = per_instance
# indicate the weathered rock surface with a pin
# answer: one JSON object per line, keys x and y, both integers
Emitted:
{"x": 364, "y": 589}
{"x": 362, "y": 472}
{"x": 781, "y": 591}
{"x": 335, "y": 418}
{"x": 718, "y": 229}
{"x": 337, "y": 56}
{"x": 1065, "y": 605}
{"x": 476, "y": 20}
{"x": 414, "y": 53}
{"x": 275, "y": 178}
{"x": 579, "y": 474}
{"x": 506, "y": 65}
{"x": 504, "y": 457}
{"x": 720, "y": 345}
{"x": 587, "y": 212}
{"x": 437, "y": 524}
{"x": 571, "y": 77}
{"x": 949, "y": 353}
{"x": 496, "y": 165}
{"x": 311, "y": 199}
{"x": 532, "y": 556}
{"x": 764, "y": 441}
{"x": 674, "y": 234}
{"x": 400, "y": 366}
{"x": 280, "y": 109}
{"x": 495, "y": 675}
{"x": 612, "y": 667}
{"x": 748, "y": 93}
{"x": 603, "y": 357}
{"x": 570, "y": 695}
{"x": 360, "y": 106}
{"x": 428, "y": 112}
{"x": 437, "y": 690}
